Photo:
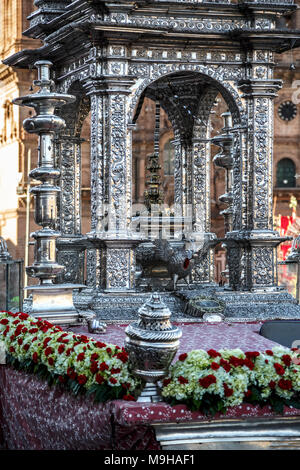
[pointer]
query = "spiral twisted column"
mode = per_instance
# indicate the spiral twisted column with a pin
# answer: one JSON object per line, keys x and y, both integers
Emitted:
{"x": 49, "y": 300}
{"x": 224, "y": 159}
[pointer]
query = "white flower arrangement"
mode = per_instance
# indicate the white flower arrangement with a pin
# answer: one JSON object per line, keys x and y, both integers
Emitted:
{"x": 216, "y": 380}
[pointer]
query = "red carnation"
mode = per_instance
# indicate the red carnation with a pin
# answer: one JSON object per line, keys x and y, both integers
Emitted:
{"x": 26, "y": 347}
{"x": 6, "y": 331}
{"x": 183, "y": 357}
{"x": 215, "y": 366}
{"x": 128, "y": 398}
{"x": 48, "y": 351}
{"x": 115, "y": 371}
{"x": 269, "y": 352}
{"x": 35, "y": 357}
{"x": 122, "y": 356}
{"x": 213, "y": 353}
{"x": 182, "y": 380}
{"x": 279, "y": 369}
{"x": 44, "y": 329}
{"x": 68, "y": 351}
{"x": 248, "y": 364}
{"x": 80, "y": 357}
{"x": 285, "y": 384}
{"x": 20, "y": 341}
{"x": 236, "y": 361}
{"x": 100, "y": 345}
{"x": 227, "y": 390}
{"x": 33, "y": 330}
{"x": 272, "y": 384}
{"x": 94, "y": 367}
{"x": 94, "y": 356}
{"x": 251, "y": 354}
{"x": 46, "y": 341}
{"x": 84, "y": 339}
{"x": 108, "y": 350}
{"x": 166, "y": 382}
{"x": 23, "y": 316}
{"x": 50, "y": 361}
{"x": 113, "y": 380}
{"x": 11, "y": 349}
{"x": 286, "y": 359}
{"x": 99, "y": 379}
{"x": 82, "y": 379}
{"x": 266, "y": 361}
{"x": 61, "y": 349}
{"x": 103, "y": 366}
{"x": 16, "y": 322}
{"x": 225, "y": 364}
{"x": 4, "y": 321}
{"x": 60, "y": 339}
{"x": 248, "y": 394}
{"x": 205, "y": 382}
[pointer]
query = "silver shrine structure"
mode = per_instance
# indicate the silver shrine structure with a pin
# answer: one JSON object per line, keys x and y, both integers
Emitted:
{"x": 108, "y": 56}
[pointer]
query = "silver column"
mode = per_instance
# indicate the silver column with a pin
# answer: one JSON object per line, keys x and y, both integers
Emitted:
{"x": 49, "y": 300}
{"x": 224, "y": 159}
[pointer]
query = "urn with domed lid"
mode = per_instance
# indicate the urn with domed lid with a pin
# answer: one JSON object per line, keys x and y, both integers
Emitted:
{"x": 152, "y": 343}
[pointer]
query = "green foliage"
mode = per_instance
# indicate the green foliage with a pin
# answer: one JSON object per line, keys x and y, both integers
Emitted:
{"x": 209, "y": 405}
{"x": 276, "y": 402}
{"x": 103, "y": 393}
{"x": 100, "y": 393}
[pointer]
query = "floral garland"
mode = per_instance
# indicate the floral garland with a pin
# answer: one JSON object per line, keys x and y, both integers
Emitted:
{"x": 77, "y": 362}
{"x": 212, "y": 381}
{"x": 208, "y": 381}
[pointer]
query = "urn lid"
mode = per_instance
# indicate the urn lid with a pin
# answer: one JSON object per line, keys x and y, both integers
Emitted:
{"x": 154, "y": 308}
{"x": 154, "y": 323}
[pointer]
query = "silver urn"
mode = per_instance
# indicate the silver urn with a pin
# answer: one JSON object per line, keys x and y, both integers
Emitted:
{"x": 152, "y": 343}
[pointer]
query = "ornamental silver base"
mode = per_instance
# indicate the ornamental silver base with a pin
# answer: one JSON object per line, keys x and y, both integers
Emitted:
{"x": 150, "y": 394}
{"x": 54, "y": 303}
{"x": 239, "y": 306}
{"x": 253, "y": 433}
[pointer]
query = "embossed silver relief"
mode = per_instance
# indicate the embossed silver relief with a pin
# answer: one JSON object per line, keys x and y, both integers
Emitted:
{"x": 119, "y": 276}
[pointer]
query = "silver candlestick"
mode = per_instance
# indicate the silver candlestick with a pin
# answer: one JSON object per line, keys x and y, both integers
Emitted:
{"x": 49, "y": 300}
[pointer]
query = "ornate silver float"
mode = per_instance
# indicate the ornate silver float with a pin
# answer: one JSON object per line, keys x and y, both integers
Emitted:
{"x": 112, "y": 55}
